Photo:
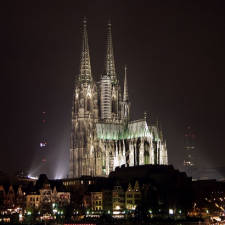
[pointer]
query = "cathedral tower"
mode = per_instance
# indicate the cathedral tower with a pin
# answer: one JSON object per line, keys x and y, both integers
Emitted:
{"x": 84, "y": 116}
{"x": 110, "y": 90}
{"x": 103, "y": 135}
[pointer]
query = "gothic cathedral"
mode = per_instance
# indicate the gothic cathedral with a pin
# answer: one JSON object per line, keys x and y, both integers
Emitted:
{"x": 103, "y": 136}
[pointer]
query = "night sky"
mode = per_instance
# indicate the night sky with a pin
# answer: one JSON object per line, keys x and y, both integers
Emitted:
{"x": 174, "y": 51}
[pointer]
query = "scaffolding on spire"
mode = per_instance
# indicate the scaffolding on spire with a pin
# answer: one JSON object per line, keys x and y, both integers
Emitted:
{"x": 110, "y": 63}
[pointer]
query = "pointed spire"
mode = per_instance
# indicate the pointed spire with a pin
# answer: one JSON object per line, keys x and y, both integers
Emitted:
{"x": 85, "y": 65}
{"x": 125, "y": 88}
{"x": 110, "y": 64}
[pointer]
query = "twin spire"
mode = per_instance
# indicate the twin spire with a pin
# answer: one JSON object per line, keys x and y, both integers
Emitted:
{"x": 110, "y": 63}
{"x": 85, "y": 65}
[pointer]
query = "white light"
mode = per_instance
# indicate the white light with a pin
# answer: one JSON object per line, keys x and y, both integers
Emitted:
{"x": 43, "y": 144}
{"x": 20, "y": 217}
{"x": 32, "y": 177}
{"x": 171, "y": 211}
{"x": 54, "y": 210}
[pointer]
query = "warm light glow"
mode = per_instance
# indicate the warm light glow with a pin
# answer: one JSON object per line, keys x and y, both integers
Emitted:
{"x": 117, "y": 207}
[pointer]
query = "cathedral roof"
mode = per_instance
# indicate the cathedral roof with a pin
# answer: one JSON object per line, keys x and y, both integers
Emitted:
{"x": 111, "y": 131}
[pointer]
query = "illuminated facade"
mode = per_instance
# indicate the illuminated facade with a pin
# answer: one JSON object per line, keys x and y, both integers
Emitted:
{"x": 103, "y": 136}
{"x": 118, "y": 198}
{"x": 46, "y": 197}
{"x": 96, "y": 201}
{"x": 132, "y": 196}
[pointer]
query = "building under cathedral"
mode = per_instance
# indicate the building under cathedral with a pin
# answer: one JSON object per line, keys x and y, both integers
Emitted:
{"x": 103, "y": 135}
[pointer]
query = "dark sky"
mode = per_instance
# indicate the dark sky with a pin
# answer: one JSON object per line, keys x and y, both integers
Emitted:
{"x": 174, "y": 51}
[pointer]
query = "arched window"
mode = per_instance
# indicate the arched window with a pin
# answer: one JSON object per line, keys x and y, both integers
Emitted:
{"x": 113, "y": 105}
{"x": 155, "y": 152}
{"x": 146, "y": 153}
{"x": 126, "y": 143}
{"x": 138, "y": 151}
{"x": 88, "y": 104}
{"x": 76, "y": 107}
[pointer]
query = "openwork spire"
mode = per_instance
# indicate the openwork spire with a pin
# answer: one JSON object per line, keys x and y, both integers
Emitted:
{"x": 110, "y": 64}
{"x": 125, "y": 88}
{"x": 85, "y": 65}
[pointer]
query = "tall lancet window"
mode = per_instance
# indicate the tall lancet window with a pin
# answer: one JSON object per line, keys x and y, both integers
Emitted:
{"x": 88, "y": 99}
{"x": 88, "y": 104}
{"x": 114, "y": 105}
{"x": 146, "y": 153}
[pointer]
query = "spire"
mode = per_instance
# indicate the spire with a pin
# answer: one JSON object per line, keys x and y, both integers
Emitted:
{"x": 125, "y": 89}
{"x": 85, "y": 65}
{"x": 110, "y": 64}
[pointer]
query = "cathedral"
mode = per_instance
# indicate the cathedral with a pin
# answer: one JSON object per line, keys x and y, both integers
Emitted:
{"x": 103, "y": 136}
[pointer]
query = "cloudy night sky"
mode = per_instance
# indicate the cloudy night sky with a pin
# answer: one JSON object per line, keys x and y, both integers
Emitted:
{"x": 174, "y": 51}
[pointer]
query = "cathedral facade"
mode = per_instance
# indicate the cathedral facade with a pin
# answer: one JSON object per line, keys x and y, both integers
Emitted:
{"x": 103, "y": 135}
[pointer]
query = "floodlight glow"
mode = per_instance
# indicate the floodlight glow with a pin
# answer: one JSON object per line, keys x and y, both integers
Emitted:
{"x": 32, "y": 177}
